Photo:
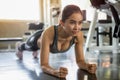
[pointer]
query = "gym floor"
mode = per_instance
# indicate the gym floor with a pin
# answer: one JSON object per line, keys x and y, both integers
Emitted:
{"x": 11, "y": 68}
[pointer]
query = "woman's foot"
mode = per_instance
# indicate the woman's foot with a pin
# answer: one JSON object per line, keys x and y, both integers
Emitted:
{"x": 19, "y": 53}
{"x": 35, "y": 54}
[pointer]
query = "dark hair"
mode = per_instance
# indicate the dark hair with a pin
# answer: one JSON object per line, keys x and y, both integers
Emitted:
{"x": 69, "y": 10}
{"x": 97, "y": 3}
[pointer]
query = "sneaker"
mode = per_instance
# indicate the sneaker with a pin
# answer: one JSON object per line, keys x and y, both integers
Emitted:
{"x": 35, "y": 54}
{"x": 19, "y": 53}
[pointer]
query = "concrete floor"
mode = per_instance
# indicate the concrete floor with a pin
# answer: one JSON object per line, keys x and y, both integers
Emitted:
{"x": 29, "y": 68}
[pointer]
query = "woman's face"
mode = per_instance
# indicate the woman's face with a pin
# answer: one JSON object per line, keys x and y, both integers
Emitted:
{"x": 73, "y": 24}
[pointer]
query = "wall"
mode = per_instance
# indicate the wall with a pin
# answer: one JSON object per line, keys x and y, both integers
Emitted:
{"x": 12, "y": 28}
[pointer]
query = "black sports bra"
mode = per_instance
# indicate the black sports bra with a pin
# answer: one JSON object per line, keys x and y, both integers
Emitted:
{"x": 53, "y": 47}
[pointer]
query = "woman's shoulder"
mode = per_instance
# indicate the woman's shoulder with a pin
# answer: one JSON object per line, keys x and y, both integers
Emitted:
{"x": 49, "y": 28}
{"x": 48, "y": 32}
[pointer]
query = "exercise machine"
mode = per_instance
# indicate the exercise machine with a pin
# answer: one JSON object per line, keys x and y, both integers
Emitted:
{"x": 107, "y": 7}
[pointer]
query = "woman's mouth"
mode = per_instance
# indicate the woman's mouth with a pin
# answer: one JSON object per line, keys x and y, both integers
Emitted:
{"x": 74, "y": 32}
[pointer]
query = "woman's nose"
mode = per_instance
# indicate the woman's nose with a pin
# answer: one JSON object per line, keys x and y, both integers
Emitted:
{"x": 77, "y": 27}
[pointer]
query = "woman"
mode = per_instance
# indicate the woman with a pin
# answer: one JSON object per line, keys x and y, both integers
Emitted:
{"x": 60, "y": 38}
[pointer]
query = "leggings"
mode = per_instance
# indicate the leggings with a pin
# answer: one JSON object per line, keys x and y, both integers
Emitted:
{"x": 31, "y": 43}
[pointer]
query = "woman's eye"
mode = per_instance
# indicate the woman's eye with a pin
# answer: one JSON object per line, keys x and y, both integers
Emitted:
{"x": 80, "y": 23}
{"x": 72, "y": 22}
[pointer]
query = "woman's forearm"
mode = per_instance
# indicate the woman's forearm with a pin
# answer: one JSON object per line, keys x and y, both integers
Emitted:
{"x": 49, "y": 70}
{"x": 82, "y": 65}
{"x": 91, "y": 68}
{"x": 61, "y": 72}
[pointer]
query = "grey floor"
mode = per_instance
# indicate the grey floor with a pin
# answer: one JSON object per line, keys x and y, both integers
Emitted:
{"x": 11, "y": 68}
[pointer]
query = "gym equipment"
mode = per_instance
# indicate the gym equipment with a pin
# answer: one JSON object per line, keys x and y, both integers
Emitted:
{"x": 109, "y": 9}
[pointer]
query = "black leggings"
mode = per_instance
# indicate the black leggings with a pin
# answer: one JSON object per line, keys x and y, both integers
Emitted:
{"x": 31, "y": 43}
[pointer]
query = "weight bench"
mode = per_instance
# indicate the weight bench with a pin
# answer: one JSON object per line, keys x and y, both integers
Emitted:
{"x": 9, "y": 41}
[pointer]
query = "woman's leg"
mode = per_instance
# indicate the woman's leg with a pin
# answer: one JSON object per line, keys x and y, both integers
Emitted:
{"x": 20, "y": 47}
{"x": 19, "y": 53}
{"x": 30, "y": 45}
{"x": 35, "y": 53}
{"x": 35, "y": 43}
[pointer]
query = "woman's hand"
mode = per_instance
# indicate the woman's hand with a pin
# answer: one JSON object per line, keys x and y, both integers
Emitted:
{"x": 61, "y": 73}
{"x": 91, "y": 68}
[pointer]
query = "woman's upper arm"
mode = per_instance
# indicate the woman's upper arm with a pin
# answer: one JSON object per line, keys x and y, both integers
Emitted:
{"x": 44, "y": 48}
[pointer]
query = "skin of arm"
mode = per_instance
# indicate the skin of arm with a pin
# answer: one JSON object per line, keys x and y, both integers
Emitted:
{"x": 80, "y": 60}
{"x": 46, "y": 40}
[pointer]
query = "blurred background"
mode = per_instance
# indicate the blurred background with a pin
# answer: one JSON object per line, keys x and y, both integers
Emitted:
{"x": 16, "y": 16}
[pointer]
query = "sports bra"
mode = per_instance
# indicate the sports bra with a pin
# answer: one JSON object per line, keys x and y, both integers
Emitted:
{"x": 53, "y": 47}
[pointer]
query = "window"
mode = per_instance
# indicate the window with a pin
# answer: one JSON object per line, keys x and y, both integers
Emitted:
{"x": 83, "y": 4}
{"x": 19, "y": 9}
